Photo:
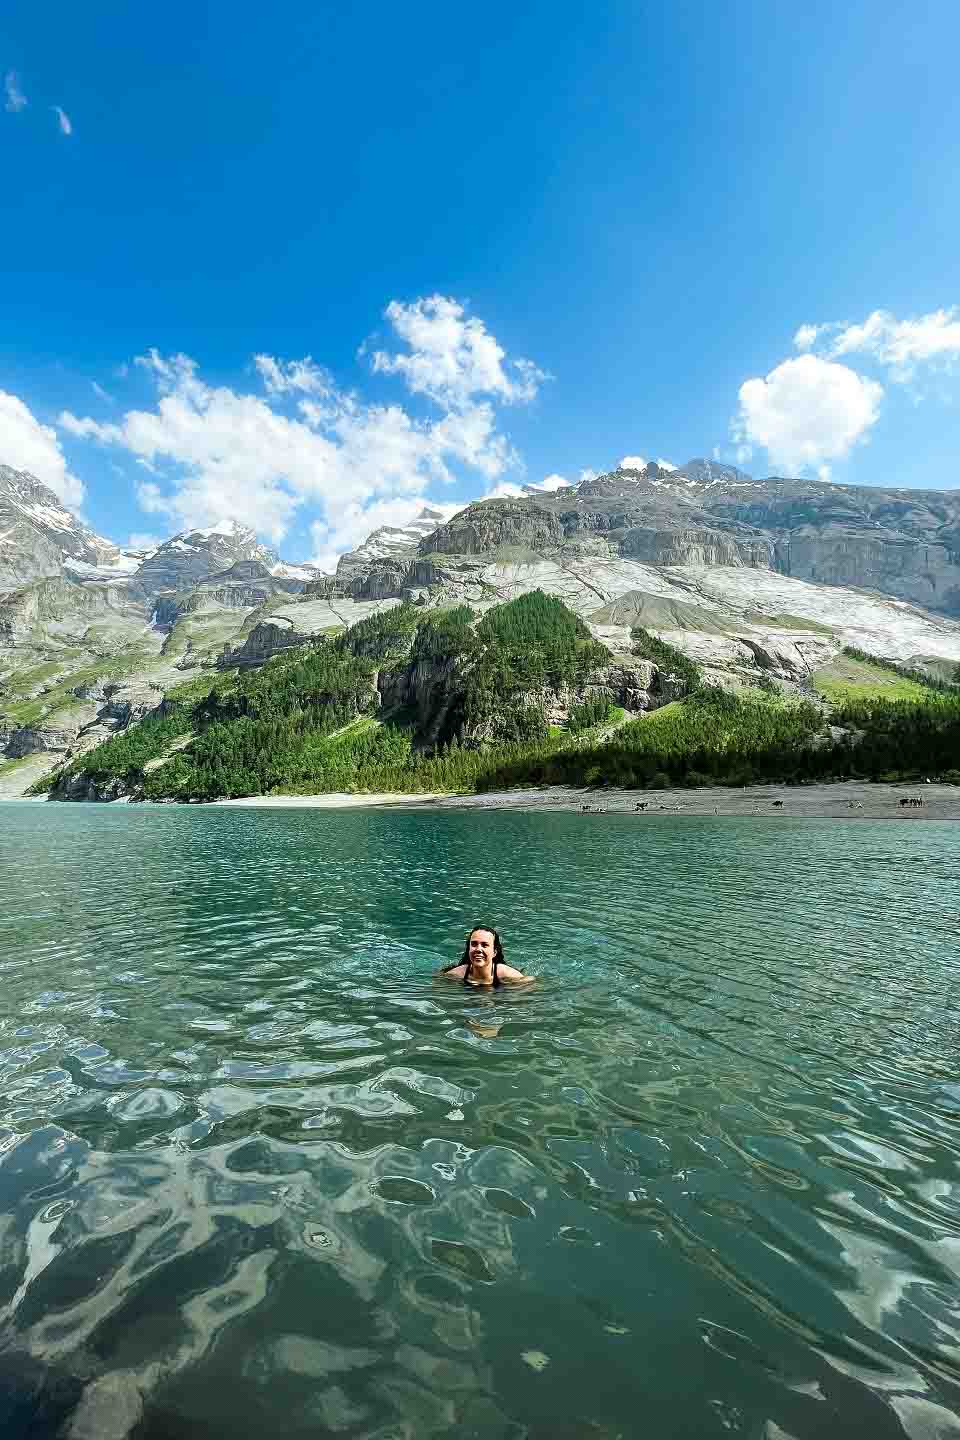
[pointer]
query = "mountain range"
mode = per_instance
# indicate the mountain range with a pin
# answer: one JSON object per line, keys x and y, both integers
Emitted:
{"x": 748, "y": 577}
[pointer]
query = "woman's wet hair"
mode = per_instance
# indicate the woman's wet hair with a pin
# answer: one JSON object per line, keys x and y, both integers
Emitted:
{"x": 498, "y": 955}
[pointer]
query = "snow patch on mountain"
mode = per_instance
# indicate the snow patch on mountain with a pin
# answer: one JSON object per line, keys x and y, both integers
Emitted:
{"x": 222, "y": 527}
{"x": 283, "y": 571}
{"x": 118, "y": 569}
{"x": 393, "y": 541}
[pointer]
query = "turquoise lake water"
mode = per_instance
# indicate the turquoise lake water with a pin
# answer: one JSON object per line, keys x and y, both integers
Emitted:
{"x": 261, "y": 1175}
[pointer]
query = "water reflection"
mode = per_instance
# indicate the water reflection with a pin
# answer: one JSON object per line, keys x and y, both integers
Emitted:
{"x": 259, "y": 1174}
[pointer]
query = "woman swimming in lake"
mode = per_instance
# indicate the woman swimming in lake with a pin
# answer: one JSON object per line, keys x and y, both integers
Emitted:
{"x": 482, "y": 962}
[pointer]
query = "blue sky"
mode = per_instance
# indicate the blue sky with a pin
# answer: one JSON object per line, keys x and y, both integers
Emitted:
{"x": 644, "y": 202}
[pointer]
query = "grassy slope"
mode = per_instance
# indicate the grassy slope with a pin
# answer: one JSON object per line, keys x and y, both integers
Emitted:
{"x": 208, "y": 630}
{"x": 150, "y": 743}
{"x": 9, "y": 768}
{"x": 56, "y": 702}
{"x": 846, "y": 679}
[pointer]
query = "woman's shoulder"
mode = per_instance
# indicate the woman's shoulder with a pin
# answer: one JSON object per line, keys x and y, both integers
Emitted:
{"x": 509, "y": 972}
{"x": 454, "y": 972}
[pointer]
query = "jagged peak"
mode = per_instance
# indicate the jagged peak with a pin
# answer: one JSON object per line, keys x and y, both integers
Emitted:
{"x": 37, "y": 500}
{"x": 225, "y": 536}
{"x": 26, "y": 500}
{"x": 231, "y": 529}
{"x": 222, "y": 530}
{"x": 713, "y": 472}
{"x": 390, "y": 542}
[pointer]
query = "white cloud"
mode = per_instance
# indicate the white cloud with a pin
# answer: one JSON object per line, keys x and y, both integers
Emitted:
{"x": 215, "y": 452}
{"x": 805, "y": 337}
{"x": 453, "y": 358}
{"x": 902, "y": 346}
{"x": 25, "y": 444}
{"x": 175, "y": 372}
{"x": 87, "y": 429}
{"x": 805, "y": 413}
{"x": 140, "y": 540}
{"x": 508, "y": 489}
{"x": 470, "y": 435}
{"x": 63, "y": 120}
{"x": 667, "y": 464}
{"x": 228, "y": 454}
{"x": 100, "y": 393}
{"x": 16, "y": 100}
{"x": 282, "y": 377}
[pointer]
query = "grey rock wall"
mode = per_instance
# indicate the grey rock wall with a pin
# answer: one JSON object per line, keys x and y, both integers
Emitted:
{"x": 694, "y": 547}
{"x": 486, "y": 526}
{"x": 34, "y": 739}
{"x": 265, "y": 640}
{"x": 86, "y": 787}
{"x": 898, "y": 542}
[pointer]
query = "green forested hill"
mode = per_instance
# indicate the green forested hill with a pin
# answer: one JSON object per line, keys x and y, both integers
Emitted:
{"x": 403, "y": 701}
{"x": 311, "y": 718}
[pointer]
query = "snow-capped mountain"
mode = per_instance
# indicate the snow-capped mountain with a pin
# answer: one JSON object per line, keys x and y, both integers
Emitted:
{"x": 39, "y": 537}
{"x": 387, "y": 552}
{"x": 398, "y": 541}
{"x": 185, "y": 559}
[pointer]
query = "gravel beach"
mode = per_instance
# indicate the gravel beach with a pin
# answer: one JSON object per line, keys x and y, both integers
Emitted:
{"x": 848, "y": 800}
{"x": 814, "y": 802}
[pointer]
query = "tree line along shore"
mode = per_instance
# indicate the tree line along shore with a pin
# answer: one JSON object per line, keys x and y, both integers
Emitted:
{"x": 411, "y": 703}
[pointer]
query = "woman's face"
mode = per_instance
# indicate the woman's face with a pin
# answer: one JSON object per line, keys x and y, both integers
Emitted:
{"x": 481, "y": 948}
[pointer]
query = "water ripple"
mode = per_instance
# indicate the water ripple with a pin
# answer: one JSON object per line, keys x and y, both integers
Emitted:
{"x": 260, "y": 1173}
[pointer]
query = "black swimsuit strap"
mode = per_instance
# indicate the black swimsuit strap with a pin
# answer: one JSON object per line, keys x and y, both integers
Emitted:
{"x": 496, "y": 977}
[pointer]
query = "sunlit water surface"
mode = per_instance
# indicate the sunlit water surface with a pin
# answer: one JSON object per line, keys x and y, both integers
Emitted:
{"x": 261, "y": 1175}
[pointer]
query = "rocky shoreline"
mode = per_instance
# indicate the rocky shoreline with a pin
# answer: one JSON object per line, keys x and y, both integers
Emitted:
{"x": 846, "y": 800}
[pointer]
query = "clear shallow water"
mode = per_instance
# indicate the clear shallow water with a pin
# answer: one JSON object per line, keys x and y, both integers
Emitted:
{"x": 261, "y": 1175}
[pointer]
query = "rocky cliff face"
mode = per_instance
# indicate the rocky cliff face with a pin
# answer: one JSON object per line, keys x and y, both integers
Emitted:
{"x": 427, "y": 688}
{"x": 900, "y": 542}
{"x": 487, "y": 526}
{"x": 58, "y": 608}
{"x": 39, "y": 740}
{"x": 693, "y": 547}
{"x": 894, "y": 564}
{"x": 103, "y": 709}
{"x": 431, "y": 690}
{"x": 88, "y": 787}
{"x": 246, "y": 585}
{"x": 265, "y": 640}
{"x": 377, "y": 579}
